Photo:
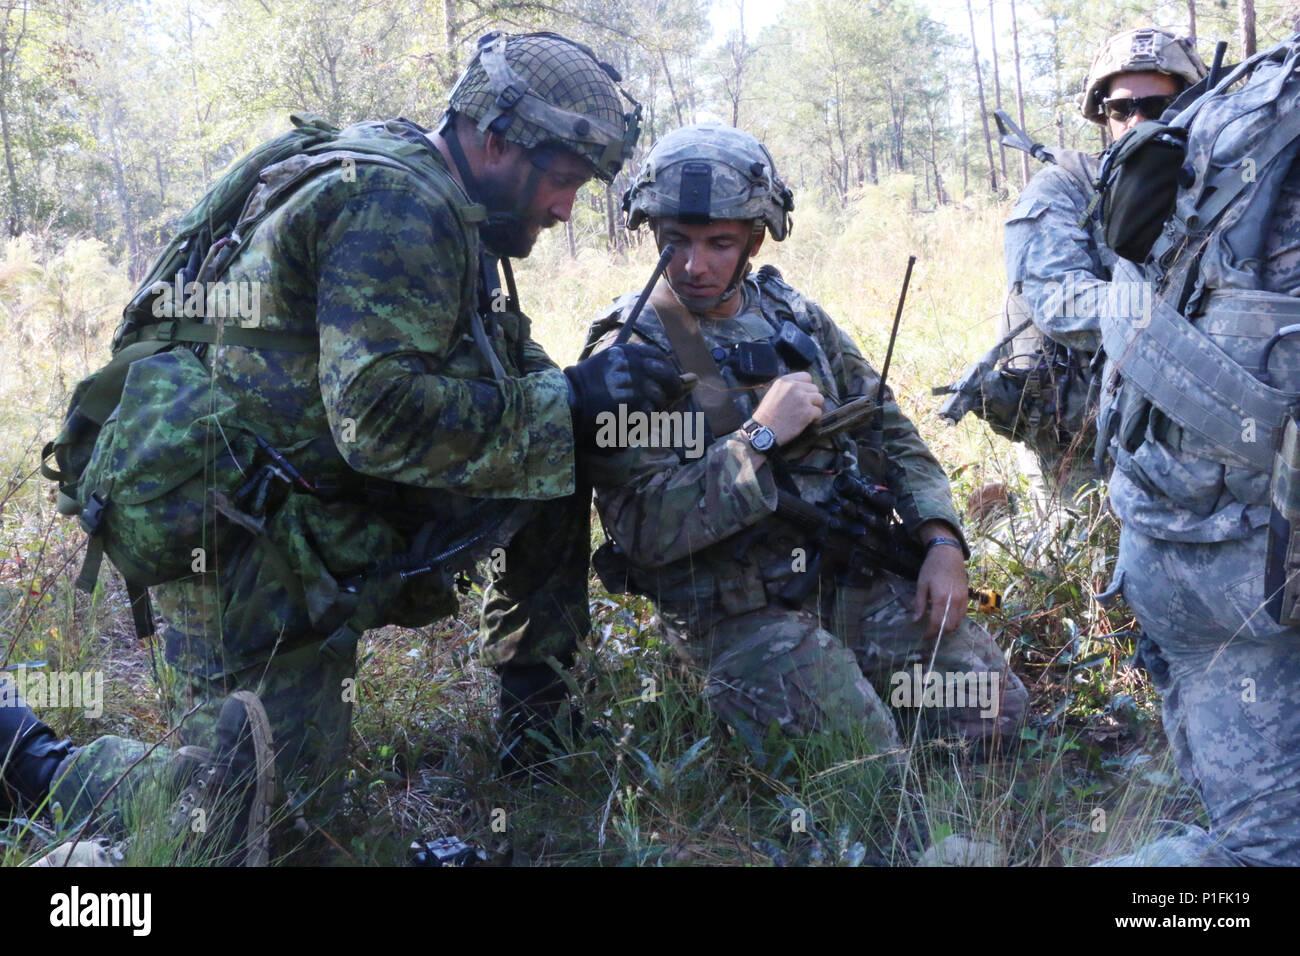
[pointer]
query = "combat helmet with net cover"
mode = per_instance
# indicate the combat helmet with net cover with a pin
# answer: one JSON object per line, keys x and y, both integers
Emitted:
{"x": 538, "y": 89}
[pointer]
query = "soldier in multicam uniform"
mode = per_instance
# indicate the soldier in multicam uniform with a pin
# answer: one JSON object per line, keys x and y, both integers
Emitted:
{"x": 426, "y": 416}
{"x": 1057, "y": 263}
{"x": 1192, "y": 472}
{"x": 699, "y": 535}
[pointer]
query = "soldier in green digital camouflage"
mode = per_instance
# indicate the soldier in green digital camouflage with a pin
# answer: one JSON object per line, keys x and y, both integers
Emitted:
{"x": 693, "y": 525}
{"x": 423, "y": 428}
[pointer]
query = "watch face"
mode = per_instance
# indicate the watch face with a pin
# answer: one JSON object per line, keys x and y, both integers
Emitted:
{"x": 762, "y": 438}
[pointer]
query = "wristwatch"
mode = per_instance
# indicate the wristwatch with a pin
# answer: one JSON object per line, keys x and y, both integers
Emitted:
{"x": 761, "y": 438}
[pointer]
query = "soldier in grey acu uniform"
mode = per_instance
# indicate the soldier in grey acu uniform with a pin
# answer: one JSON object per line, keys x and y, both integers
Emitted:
{"x": 1193, "y": 434}
{"x": 1058, "y": 266}
{"x": 696, "y": 526}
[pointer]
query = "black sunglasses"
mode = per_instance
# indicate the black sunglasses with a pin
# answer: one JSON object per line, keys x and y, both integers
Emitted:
{"x": 1122, "y": 107}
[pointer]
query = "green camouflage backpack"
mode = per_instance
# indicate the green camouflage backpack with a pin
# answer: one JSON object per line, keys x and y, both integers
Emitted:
{"x": 149, "y": 454}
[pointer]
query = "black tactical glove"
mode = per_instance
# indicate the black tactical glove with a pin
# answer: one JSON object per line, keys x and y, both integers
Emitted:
{"x": 635, "y": 376}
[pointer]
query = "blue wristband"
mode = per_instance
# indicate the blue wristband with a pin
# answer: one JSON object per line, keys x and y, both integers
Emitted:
{"x": 952, "y": 542}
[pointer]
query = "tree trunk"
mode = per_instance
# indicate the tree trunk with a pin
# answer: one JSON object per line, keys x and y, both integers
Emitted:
{"x": 1191, "y": 20}
{"x": 690, "y": 87}
{"x": 672, "y": 90}
{"x": 739, "y": 55}
{"x": 896, "y": 127}
{"x": 940, "y": 197}
{"x": 843, "y": 183}
{"x": 9, "y": 47}
{"x": 997, "y": 84}
{"x": 451, "y": 40}
{"x": 1247, "y": 12}
{"x": 611, "y": 219}
{"x": 965, "y": 151}
{"x": 134, "y": 262}
{"x": 979, "y": 86}
{"x": 194, "y": 88}
{"x": 1020, "y": 91}
{"x": 1057, "y": 94}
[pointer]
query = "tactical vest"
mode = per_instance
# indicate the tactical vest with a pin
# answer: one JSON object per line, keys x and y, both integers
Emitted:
{"x": 744, "y": 572}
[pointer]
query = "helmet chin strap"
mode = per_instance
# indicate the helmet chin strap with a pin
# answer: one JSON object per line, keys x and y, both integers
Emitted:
{"x": 497, "y": 219}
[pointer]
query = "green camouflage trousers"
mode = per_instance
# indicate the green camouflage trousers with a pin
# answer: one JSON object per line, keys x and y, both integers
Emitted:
{"x": 536, "y": 608}
{"x": 1228, "y": 679}
{"x": 813, "y": 670}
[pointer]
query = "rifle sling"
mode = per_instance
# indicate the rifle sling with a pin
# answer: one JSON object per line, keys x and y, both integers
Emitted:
{"x": 683, "y": 330}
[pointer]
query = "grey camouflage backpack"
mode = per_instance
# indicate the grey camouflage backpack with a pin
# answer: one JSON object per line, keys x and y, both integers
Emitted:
{"x": 1210, "y": 373}
{"x": 1029, "y": 388}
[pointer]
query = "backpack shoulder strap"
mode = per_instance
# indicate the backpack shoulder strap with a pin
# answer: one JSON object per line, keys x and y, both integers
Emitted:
{"x": 1180, "y": 370}
{"x": 772, "y": 284}
{"x": 683, "y": 331}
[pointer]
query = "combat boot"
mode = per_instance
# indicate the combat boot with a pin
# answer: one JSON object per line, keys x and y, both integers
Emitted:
{"x": 30, "y": 753}
{"x": 229, "y": 795}
{"x": 532, "y": 699}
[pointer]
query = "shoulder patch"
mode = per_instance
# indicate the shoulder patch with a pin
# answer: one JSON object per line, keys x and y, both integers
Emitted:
{"x": 1027, "y": 208}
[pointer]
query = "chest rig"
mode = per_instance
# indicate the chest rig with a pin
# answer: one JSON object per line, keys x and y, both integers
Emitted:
{"x": 775, "y": 333}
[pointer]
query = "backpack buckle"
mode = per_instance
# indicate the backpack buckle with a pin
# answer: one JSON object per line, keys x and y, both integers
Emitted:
{"x": 93, "y": 513}
{"x": 165, "y": 331}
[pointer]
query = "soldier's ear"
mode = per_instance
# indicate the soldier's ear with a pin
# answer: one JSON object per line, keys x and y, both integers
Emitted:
{"x": 497, "y": 150}
{"x": 756, "y": 242}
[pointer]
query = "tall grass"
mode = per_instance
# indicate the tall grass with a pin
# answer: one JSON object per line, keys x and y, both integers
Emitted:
{"x": 666, "y": 784}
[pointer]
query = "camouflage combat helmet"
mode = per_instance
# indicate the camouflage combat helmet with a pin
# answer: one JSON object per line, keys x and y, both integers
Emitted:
{"x": 537, "y": 88}
{"x": 709, "y": 172}
{"x": 1146, "y": 50}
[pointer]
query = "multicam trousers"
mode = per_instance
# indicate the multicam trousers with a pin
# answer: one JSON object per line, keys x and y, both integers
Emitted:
{"x": 813, "y": 670}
